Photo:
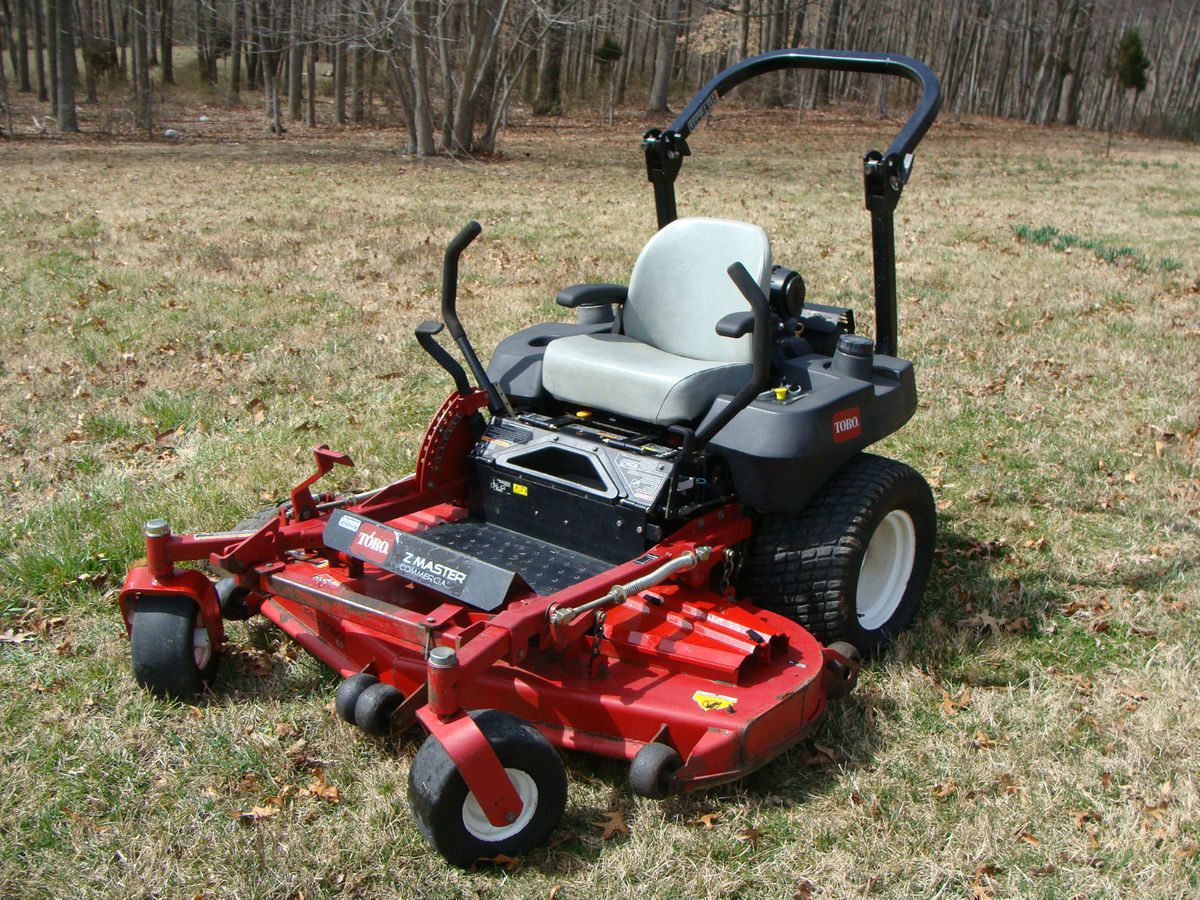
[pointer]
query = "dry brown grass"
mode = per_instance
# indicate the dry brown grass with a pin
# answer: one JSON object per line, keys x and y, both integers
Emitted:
{"x": 182, "y": 320}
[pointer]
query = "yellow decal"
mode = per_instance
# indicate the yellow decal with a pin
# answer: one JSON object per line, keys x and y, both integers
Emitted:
{"x": 713, "y": 702}
{"x": 521, "y": 489}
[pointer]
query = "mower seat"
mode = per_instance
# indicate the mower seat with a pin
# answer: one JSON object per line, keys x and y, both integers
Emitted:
{"x": 669, "y": 365}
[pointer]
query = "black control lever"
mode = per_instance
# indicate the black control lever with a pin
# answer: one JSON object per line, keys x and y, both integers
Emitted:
{"x": 425, "y": 334}
{"x": 735, "y": 326}
{"x": 497, "y": 403}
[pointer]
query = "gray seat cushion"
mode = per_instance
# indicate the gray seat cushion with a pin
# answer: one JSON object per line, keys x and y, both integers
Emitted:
{"x": 670, "y": 364}
{"x": 624, "y": 376}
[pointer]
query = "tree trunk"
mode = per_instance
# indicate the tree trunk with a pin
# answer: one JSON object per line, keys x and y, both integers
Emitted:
{"x": 22, "y": 60}
{"x": 664, "y": 57}
{"x": 310, "y": 115}
{"x": 142, "y": 70}
{"x": 423, "y": 143}
{"x": 235, "y": 49}
{"x": 4, "y": 101}
{"x": 166, "y": 39}
{"x": 548, "y": 101}
{"x": 340, "y": 78}
{"x": 356, "y": 84}
{"x": 52, "y": 53}
{"x": 295, "y": 61}
{"x": 39, "y": 41}
{"x": 67, "y": 120}
{"x": 89, "y": 50}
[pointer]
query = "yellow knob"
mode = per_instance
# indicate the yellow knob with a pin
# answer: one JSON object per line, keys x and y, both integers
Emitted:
{"x": 583, "y": 414}
{"x": 781, "y": 392}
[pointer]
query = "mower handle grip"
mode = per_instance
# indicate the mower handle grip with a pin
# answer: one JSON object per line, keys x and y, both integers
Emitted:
{"x": 834, "y": 60}
{"x": 454, "y": 250}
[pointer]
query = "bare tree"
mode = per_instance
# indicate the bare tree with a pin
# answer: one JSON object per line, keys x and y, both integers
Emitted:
{"x": 664, "y": 57}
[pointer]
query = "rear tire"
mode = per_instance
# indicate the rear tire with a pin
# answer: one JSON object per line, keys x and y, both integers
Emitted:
{"x": 170, "y": 647}
{"x": 853, "y": 564}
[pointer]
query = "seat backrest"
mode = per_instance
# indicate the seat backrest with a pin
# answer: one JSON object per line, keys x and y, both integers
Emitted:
{"x": 679, "y": 289}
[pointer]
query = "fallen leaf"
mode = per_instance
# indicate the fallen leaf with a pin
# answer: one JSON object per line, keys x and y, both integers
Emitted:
{"x": 256, "y": 814}
{"x": 951, "y": 706}
{"x": 945, "y": 789}
{"x": 804, "y": 890}
{"x": 614, "y": 823}
{"x": 749, "y": 835}
{"x": 981, "y": 741}
{"x": 1019, "y": 625}
{"x": 12, "y": 636}
{"x": 1026, "y": 838}
{"x": 1081, "y": 816}
{"x": 708, "y": 820}
{"x": 500, "y": 859}
{"x": 982, "y": 887}
{"x": 321, "y": 789}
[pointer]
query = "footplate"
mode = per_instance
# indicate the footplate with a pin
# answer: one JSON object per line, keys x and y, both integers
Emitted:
{"x": 465, "y": 578}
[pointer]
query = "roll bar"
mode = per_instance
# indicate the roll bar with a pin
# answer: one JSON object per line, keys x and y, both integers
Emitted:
{"x": 884, "y": 174}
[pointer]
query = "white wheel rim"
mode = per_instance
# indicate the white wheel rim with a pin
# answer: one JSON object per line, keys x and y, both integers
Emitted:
{"x": 201, "y": 648}
{"x": 886, "y": 568}
{"x": 477, "y": 823}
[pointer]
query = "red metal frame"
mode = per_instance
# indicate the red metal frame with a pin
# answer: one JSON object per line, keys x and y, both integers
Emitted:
{"x": 686, "y": 663}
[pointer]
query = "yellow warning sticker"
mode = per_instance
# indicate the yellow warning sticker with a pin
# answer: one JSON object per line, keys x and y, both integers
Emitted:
{"x": 714, "y": 702}
{"x": 521, "y": 489}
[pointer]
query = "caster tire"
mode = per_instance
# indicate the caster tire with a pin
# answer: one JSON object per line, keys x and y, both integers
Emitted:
{"x": 171, "y": 651}
{"x": 258, "y": 520}
{"x": 348, "y": 693}
{"x": 374, "y": 706}
{"x": 450, "y": 818}
{"x": 233, "y": 601}
{"x": 652, "y": 772}
{"x": 852, "y": 565}
{"x": 840, "y": 679}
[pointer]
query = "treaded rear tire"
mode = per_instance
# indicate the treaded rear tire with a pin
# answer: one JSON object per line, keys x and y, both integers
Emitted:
{"x": 807, "y": 565}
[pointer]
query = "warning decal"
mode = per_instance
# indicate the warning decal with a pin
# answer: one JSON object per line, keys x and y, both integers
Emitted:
{"x": 714, "y": 702}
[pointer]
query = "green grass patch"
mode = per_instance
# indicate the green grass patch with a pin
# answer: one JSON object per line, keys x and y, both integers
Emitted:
{"x": 1049, "y": 236}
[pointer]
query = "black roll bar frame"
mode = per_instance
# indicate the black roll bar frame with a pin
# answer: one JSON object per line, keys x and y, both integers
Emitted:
{"x": 884, "y": 174}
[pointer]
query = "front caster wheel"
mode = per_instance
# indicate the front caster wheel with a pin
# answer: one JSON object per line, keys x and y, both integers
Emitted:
{"x": 348, "y": 693}
{"x": 450, "y": 817}
{"x": 652, "y": 772}
{"x": 232, "y": 598}
{"x": 172, "y": 653}
{"x": 841, "y": 677}
{"x": 374, "y": 707}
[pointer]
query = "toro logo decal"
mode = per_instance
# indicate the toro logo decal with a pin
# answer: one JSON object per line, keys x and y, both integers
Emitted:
{"x": 373, "y": 543}
{"x": 847, "y": 425}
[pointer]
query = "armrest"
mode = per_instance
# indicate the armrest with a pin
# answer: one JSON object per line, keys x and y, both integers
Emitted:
{"x": 736, "y": 325}
{"x": 591, "y": 294}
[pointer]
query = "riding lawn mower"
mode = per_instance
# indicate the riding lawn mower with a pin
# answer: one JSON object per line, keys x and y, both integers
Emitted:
{"x": 651, "y": 534}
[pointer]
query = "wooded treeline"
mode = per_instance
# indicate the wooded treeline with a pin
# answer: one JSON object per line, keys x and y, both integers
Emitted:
{"x": 450, "y": 70}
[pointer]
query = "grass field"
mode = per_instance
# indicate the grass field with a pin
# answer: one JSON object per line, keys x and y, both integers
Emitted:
{"x": 182, "y": 322}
